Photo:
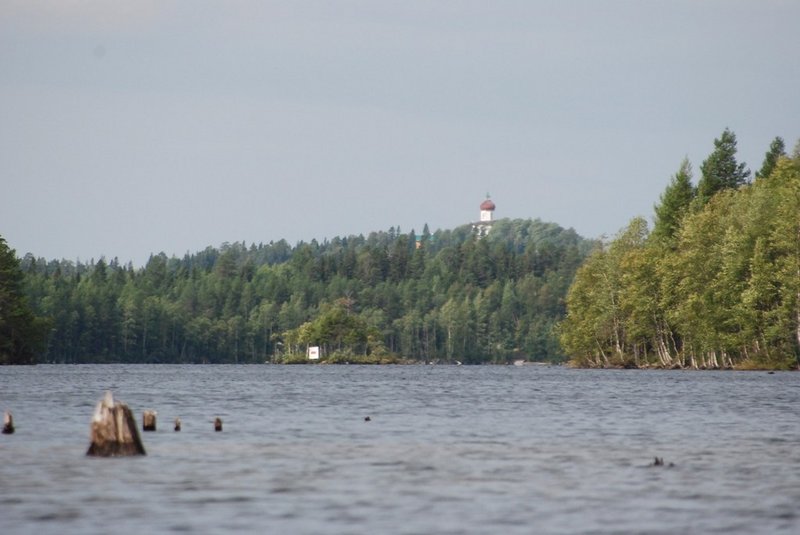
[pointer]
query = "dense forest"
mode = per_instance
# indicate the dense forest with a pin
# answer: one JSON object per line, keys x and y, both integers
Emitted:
{"x": 445, "y": 296}
{"x": 715, "y": 284}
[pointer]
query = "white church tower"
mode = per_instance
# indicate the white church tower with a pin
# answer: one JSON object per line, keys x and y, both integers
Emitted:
{"x": 487, "y": 209}
{"x": 484, "y": 225}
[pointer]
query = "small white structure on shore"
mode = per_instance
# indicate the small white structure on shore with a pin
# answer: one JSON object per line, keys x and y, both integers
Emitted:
{"x": 313, "y": 353}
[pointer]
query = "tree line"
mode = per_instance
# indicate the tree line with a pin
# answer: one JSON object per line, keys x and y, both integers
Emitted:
{"x": 444, "y": 296}
{"x": 715, "y": 284}
{"x": 22, "y": 334}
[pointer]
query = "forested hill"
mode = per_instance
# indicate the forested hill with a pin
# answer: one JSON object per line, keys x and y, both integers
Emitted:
{"x": 443, "y": 297}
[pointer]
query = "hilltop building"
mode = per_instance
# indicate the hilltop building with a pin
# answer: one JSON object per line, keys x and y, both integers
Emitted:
{"x": 484, "y": 224}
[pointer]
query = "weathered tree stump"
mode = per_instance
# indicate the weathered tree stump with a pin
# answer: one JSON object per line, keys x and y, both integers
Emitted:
{"x": 149, "y": 420}
{"x": 114, "y": 432}
{"x": 8, "y": 423}
{"x": 177, "y": 424}
{"x": 217, "y": 424}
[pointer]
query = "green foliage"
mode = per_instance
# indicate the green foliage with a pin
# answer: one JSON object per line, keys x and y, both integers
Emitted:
{"x": 674, "y": 203}
{"x": 720, "y": 170}
{"x": 444, "y": 297}
{"x": 600, "y": 301}
{"x": 777, "y": 150}
{"x": 336, "y": 329}
{"x": 721, "y": 289}
{"x": 22, "y": 334}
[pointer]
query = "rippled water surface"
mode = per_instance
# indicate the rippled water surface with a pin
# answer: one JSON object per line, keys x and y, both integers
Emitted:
{"x": 448, "y": 449}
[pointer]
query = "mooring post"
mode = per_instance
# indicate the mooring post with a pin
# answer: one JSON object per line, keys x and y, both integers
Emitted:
{"x": 8, "y": 423}
{"x": 149, "y": 420}
{"x": 217, "y": 424}
{"x": 114, "y": 431}
{"x": 177, "y": 424}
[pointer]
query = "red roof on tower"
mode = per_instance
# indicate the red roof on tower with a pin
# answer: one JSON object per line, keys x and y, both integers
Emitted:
{"x": 487, "y": 205}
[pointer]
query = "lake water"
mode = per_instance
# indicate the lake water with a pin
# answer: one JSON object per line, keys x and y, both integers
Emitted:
{"x": 448, "y": 449}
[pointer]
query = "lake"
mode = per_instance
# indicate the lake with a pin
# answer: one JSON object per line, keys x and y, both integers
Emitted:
{"x": 447, "y": 449}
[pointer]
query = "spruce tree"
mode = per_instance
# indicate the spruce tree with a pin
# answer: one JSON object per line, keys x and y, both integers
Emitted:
{"x": 674, "y": 203}
{"x": 721, "y": 170}
{"x": 776, "y": 150}
{"x": 21, "y": 333}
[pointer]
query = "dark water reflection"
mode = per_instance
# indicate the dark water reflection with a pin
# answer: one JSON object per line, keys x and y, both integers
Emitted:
{"x": 447, "y": 450}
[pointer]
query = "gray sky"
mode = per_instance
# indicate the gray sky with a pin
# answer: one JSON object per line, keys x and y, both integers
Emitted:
{"x": 149, "y": 126}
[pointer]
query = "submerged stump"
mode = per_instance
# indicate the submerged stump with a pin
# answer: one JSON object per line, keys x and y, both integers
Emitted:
{"x": 8, "y": 423}
{"x": 149, "y": 420}
{"x": 114, "y": 432}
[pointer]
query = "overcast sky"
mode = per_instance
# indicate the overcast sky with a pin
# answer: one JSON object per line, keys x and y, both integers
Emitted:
{"x": 130, "y": 128}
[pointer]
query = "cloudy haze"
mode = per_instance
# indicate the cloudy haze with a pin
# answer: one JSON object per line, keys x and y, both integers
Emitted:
{"x": 135, "y": 128}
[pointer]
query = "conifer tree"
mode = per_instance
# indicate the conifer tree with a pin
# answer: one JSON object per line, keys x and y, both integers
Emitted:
{"x": 674, "y": 203}
{"x": 721, "y": 170}
{"x": 776, "y": 149}
{"x": 21, "y": 333}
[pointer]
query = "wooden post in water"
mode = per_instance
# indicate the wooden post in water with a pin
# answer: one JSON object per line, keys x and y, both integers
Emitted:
{"x": 149, "y": 420}
{"x": 114, "y": 431}
{"x": 217, "y": 424}
{"x": 177, "y": 424}
{"x": 8, "y": 423}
